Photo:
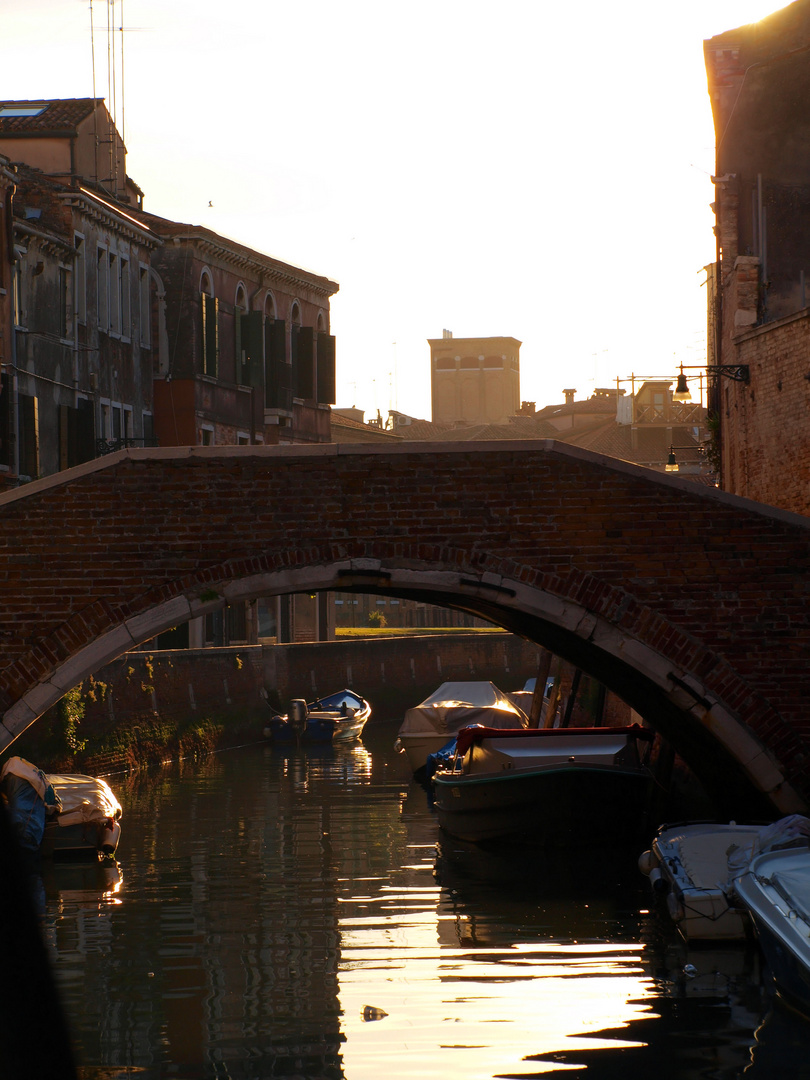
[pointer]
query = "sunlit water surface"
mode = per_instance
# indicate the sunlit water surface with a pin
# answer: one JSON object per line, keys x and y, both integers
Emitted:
{"x": 300, "y": 915}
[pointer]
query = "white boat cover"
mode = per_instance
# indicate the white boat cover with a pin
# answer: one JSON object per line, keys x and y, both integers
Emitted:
{"x": 84, "y": 798}
{"x": 785, "y": 832}
{"x": 18, "y": 766}
{"x": 459, "y": 704}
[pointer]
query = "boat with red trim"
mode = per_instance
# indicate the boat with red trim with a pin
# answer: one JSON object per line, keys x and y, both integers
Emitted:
{"x": 546, "y": 786}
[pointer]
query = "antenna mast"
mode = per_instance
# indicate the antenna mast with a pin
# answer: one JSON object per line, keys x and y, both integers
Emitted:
{"x": 95, "y": 120}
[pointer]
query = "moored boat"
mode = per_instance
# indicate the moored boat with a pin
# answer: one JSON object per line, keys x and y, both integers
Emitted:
{"x": 776, "y": 892}
{"x": 694, "y": 866}
{"x": 61, "y": 814}
{"x": 336, "y": 717}
{"x": 428, "y": 727}
{"x": 547, "y": 786}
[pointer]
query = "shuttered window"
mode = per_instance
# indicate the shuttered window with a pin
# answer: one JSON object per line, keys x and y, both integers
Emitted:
{"x": 250, "y": 341}
{"x": 210, "y": 335}
{"x": 28, "y": 418}
{"x": 325, "y": 346}
{"x": 277, "y": 372}
{"x": 303, "y": 361}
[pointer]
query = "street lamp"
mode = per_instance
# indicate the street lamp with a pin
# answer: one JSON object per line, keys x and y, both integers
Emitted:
{"x": 736, "y": 372}
{"x": 681, "y": 391}
{"x": 672, "y": 463}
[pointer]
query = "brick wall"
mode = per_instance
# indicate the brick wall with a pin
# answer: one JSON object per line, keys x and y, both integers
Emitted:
{"x": 692, "y": 604}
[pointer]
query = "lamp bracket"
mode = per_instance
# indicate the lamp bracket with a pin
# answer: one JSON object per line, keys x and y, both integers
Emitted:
{"x": 736, "y": 372}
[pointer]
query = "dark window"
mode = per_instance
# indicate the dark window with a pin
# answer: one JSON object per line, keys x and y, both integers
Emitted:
{"x": 77, "y": 440}
{"x": 28, "y": 415}
{"x": 5, "y": 425}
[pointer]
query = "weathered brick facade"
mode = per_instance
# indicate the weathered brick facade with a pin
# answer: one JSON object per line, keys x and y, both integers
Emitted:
{"x": 759, "y": 80}
{"x": 691, "y": 604}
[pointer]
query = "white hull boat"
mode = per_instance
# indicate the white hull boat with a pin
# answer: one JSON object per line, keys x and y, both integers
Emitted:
{"x": 68, "y": 815}
{"x": 429, "y": 726}
{"x": 695, "y": 865}
{"x": 776, "y": 892}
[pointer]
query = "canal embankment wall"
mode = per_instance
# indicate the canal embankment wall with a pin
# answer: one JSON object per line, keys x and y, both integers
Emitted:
{"x": 150, "y": 706}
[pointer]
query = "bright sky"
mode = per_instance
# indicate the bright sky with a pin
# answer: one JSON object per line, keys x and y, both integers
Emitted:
{"x": 528, "y": 169}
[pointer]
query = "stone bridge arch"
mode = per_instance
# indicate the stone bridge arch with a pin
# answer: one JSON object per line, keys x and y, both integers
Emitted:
{"x": 540, "y": 559}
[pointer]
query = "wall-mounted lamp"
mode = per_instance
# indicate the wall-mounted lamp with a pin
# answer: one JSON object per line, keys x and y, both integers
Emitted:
{"x": 736, "y": 372}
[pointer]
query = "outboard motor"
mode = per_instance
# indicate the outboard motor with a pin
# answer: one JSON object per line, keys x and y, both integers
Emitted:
{"x": 298, "y": 716}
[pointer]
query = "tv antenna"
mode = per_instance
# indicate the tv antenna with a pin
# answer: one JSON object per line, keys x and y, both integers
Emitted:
{"x": 115, "y": 83}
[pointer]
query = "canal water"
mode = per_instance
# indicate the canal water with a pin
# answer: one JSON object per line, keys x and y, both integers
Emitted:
{"x": 290, "y": 914}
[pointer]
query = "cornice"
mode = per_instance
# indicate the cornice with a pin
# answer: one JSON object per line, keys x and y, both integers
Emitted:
{"x": 262, "y": 268}
{"x": 51, "y": 243}
{"x": 106, "y": 214}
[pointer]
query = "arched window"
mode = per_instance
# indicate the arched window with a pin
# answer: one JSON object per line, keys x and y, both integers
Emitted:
{"x": 321, "y": 326}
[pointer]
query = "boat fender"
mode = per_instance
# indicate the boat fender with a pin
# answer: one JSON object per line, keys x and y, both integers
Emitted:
{"x": 109, "y": 837}
{"x": 675, "y": 908}
{"x": 658, "y": 881}
{"x": 647, "y": 862}
{"x": 298, "y": 714}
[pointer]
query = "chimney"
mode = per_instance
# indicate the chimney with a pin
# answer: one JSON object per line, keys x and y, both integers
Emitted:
{"x": 569, "y": 396}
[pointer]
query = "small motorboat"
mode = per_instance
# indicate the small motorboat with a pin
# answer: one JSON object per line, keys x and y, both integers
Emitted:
{"x": 694, "y": 866}
{"x": 334, "y": 718}
{"x": 524, "y": 698}
{"x": 546, "y": 786}
{"x": 776, "y": 892}
{"x": 60, "y": 814}
{"x": 429, "y": 726}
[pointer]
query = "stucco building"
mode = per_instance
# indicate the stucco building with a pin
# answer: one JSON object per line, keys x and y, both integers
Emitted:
{"x": 474, "y": 380}
{"x": 78, "y": 372}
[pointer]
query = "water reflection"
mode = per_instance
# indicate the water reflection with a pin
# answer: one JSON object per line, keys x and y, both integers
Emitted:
{"x": 295, "y": 914}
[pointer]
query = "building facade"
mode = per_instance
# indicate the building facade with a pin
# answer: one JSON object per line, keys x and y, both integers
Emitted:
{"x": 77, "y": 382}
{"x": 759, "y": 318}
{"x": 474, "y": 380}
{"x": 245, "y": 355}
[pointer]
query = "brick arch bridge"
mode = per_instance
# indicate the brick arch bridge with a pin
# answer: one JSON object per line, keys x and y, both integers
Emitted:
{"x": 691, "y": 604}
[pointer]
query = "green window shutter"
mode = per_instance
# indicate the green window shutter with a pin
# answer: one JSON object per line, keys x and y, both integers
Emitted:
{"x": 240, "y": 364}
{"x": 277, "y": 372}
{"x": 215, "y": 371}
{"x": 304, "y": 362}
{"x": 326, "y": 368}
{"x": 278, "y": 389}
{"x": 251, "y": 337}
